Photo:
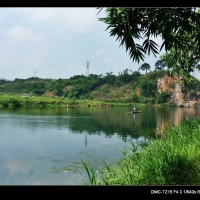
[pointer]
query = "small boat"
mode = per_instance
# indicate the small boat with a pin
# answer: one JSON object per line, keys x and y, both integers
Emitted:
{"x": 68, "y": 106}
{"x": 137, "y": 111}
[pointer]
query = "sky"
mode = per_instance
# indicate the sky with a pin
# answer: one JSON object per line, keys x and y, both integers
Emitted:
{"x": 49, "y": 42}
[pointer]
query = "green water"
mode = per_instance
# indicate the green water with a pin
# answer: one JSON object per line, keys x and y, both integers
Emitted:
{"x": 46, "y": 146}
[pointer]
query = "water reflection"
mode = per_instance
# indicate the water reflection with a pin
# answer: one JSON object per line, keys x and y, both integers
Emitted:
{"x": 45, "y": 146}
{"x": 85, "y": 139}
{"x": 100, "y": 121}
{"x": 134, "y": 116}
{"x": 174, "y": 116}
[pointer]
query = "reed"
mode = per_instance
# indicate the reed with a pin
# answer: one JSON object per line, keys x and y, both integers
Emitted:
{"x": 172, "y": 160}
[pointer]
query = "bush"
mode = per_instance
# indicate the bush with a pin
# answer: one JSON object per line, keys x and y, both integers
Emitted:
{"x": 163, "y": 97}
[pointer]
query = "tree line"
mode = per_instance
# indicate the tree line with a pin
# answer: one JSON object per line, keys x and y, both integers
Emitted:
{"x": 127, "y": 86}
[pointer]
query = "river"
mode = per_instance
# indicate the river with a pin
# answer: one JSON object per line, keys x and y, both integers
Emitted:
{"x": 46, "y": 146}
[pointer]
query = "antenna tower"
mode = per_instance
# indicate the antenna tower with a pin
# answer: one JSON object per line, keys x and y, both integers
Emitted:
{"x": 35, "y": 73}
{"x": 87, "y": 69}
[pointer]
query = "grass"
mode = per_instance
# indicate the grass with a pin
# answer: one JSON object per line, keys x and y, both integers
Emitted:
{"x": 172, "y": 160}
{"x": 7, "y": 100}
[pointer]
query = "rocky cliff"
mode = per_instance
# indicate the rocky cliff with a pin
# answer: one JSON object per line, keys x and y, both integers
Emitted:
{"x": 173, "y": 86}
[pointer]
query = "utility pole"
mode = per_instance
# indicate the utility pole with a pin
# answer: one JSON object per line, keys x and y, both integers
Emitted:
{"x": 87, "y": 69}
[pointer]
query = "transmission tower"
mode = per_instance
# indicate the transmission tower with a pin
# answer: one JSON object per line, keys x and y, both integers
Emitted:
{"x": 87, "y": 69}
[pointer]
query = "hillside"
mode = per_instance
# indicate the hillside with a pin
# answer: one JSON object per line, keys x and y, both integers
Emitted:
{"x": 153, "y": 87}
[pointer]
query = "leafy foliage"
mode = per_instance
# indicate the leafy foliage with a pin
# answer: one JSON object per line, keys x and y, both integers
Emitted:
{"x": 149, "y": 87}
{"x": 129, "y": 24}
{"x": 179, "y": 29}
{"x": 163, "y": 97}
{"x": 182, "y": 63}
{"x": 159, "y": 65}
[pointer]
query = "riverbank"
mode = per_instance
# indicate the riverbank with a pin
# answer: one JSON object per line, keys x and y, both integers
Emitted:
{"x": 172, "y": 160}
{"x": 33, "y": 101}
{"x": 19, "y": 101}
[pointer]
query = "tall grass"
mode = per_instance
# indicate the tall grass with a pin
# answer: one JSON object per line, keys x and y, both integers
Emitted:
{"x": 172, "y": 160}
{"x": 7, "y": 100}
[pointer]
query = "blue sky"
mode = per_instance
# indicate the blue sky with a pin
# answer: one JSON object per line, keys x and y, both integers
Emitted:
{"x": 57, "y": 42}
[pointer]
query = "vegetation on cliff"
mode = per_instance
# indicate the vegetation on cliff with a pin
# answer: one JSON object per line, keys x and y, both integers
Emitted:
{"x": 127, "y": 87}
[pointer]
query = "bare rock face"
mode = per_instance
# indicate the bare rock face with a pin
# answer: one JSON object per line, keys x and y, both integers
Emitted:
{"x": 176, "y": 94}
{"x": 165, "y": 84}
{"x": 173, "y": 85}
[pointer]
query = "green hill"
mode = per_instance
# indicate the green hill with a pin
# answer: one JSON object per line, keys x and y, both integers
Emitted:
{"x": 127, "y": 87}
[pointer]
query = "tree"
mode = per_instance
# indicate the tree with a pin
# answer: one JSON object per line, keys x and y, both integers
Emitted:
{"x": 163, "y": 97}
{"x": 124, "y": 76}
{"x": 145, "y": 66}
{"x": 159, "y": 65}
{"x": 178, "y": 27}
{"x": 110, "y": 78}
{"x": 59, "y": 91}
{"x": 182, "y": 63}
{"x": 149, "y": 87}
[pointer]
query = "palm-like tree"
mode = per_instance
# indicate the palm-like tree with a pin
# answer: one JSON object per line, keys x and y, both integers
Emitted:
{"x": 144, "y": 66}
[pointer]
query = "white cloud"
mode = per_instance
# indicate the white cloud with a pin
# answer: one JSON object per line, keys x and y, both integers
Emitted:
{"x": 73, "y": 20}
{"x": 44, "y": 14}
{"x": 22, "y": 34}
{"x": 80, "y": 19}
{"x": 57, "y": 42}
